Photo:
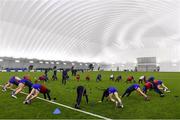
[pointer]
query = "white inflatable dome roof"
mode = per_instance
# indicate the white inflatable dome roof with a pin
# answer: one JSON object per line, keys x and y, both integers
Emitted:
{"x": 108, "y": 31}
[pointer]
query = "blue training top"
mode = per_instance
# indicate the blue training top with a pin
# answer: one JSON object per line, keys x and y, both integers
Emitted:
{"x": 26, "y": 82}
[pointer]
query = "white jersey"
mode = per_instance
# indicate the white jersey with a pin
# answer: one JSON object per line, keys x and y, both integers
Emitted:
{"x": 142, "y": 77}
{"x": 111, "y": 76}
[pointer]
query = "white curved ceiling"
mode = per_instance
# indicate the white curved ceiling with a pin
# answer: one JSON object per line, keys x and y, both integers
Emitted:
{"x": 111, "y": 31}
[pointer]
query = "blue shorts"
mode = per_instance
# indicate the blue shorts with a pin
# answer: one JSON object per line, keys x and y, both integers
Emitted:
{"x": 37, "y": 87}
{"x": 133, "y": 87}
{"x": 112, "y": 90}
{"x": 136, "y": 86}
{"x": 13, "y": 81}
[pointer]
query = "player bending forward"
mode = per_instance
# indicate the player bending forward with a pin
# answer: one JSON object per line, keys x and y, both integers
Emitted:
{"x": 13, "y": 81}
{"x": 37, "y": 88}
{"x": 110, "y": 93}
{"x": 134, "y": 87}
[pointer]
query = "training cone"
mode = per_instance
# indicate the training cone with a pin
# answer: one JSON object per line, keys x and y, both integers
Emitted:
{"x": 57, "y": 111}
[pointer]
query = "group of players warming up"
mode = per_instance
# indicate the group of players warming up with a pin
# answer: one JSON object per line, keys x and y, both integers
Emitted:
{"x": 34, "y": 89}
{"x": 111, "y": 93}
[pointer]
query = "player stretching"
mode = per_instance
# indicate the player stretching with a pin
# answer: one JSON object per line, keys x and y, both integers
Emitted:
{"x": 13, "y": 81}
{"x": 134, "y": 87}
{"x": 110, "y": 93}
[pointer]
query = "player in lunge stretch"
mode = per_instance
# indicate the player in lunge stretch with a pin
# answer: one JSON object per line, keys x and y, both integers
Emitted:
{"x": 36, "y": 89}
{"x": 22, "y": 84}
{"x": 13, "y": 81}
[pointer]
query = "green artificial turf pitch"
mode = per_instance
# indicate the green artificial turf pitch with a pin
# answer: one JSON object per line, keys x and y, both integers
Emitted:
{"x": 134, "y": 106}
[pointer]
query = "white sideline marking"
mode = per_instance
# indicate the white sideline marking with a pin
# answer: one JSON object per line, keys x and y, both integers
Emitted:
{"x": 59, "y": 104}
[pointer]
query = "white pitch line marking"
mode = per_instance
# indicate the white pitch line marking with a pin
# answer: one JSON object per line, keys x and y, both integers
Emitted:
{"x": 65, "y": 106}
